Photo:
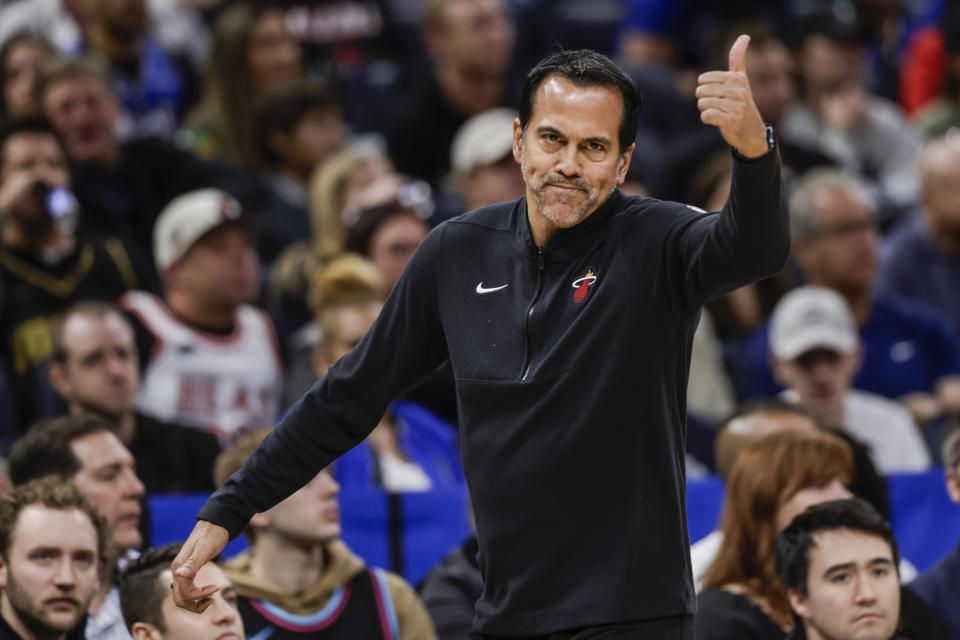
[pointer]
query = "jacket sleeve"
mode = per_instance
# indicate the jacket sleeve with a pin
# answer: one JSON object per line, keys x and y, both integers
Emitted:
{"x": 412, "y": 617}
{"x": 708, "y": 254}
{"x": 403, "y": 346}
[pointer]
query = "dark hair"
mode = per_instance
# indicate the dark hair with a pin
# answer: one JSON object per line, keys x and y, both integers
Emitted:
{"x": 792, "y": 548}
{"x": 141, "y": 592}
{"x": 35, "y": 125}
{"x": 283, "y": 108}
{"x": 52, "y": 493}
{"x": 45, "y": 448}
{"x": 585, "y": 68}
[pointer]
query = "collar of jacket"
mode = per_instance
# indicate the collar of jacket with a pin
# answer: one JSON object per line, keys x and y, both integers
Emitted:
{"x": 566, "y": 242}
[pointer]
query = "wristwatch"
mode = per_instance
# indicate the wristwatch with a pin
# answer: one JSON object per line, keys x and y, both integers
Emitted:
{"x": 771, "y": 138}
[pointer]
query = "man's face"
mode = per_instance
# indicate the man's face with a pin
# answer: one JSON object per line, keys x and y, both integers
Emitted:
{"x": 220, "y": 621}
{"x": 314, "y": 137}
{"x": 28, "y": 159}
{"x": 853, "y": 589}
{"x": 123, "y": 20}
{"x": 50, "y": 571}
{"x": 220, "y": 268}
{"x": 478, "y": 38}
{"x": 100, "y": 372}
{"x": 393, "y": 243}
{"x": 498, "y": 182}
{"x": 84, "y": 112}
{"x": 842, "y": 254}
{"x": 769, "y": 68}
{"x": 569, "y": 154}
{"x": 820, "y": 377}
{"x": 940, "y": 192}
{"x": 108, "y": 478}
{"x": 310, "y": 515}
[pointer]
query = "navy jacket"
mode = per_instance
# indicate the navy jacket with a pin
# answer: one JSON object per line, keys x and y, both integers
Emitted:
{"x": 571, "y": 364}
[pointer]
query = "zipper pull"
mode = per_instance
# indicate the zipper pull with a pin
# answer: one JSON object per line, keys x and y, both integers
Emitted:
{"x": 540, "y": 258}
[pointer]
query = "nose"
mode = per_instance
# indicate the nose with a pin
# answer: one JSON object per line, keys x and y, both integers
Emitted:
{"x": 865, "y": 590}
{"x": 328, "y": 484}
{"x": 134, "y": 488}
{"x": 224, "y": 613}
{"x": 64, "y": 577}
{"x": 568, "y": 162}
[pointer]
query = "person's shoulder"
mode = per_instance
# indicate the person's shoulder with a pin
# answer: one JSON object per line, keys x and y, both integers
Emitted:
{"x": 871, "y": 408}
{"x": 909, "y": 241}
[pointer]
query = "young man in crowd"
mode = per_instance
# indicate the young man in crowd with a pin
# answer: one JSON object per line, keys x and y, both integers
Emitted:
{"x": 210, "y": 359}
{"x": 84, "y": 449}
{"x": 148, "y": 609}
{"x": 298, "y": 576}
{"x": 838, "y": 563}
{"x": 52, "y": 541}
{"x": 96, "y": 370}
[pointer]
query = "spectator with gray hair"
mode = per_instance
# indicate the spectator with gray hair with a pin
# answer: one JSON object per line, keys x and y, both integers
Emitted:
{"x": 911, "y": 352}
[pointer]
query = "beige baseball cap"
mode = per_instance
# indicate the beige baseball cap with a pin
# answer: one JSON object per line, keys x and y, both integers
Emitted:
{"x": 484, "y": 139}
{"x": 809, "y": 318}
{"x": 186, "y": 219}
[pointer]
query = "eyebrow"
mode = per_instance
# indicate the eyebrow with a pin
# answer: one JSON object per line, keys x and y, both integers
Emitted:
{"x": 545, "y": 128}
{"x": 845, "y": 566}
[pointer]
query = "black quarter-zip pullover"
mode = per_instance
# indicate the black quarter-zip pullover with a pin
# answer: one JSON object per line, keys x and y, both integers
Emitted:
{"x": 571, "y": 365}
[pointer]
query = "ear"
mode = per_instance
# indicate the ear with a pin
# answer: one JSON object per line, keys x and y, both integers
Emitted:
{"x": 778, "y": 368}
{"x": 58, "y": 378}
{"x": 624, "y": 165}
{"x": 798, "y": 603}
{"x": 3, "y": 572}
{"x": 953, "y": 485}
{"x": 320, "y": 363}
{"x": 145, "y": 631}
{"x": 517, "y": 141}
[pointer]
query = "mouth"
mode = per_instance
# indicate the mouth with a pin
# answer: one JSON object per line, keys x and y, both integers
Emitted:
{"x": 569, "y": 188}
{"x": 230, "y": 635}
{"x": 871, "y": 616}
{"x": 331, "y": 514}
{"x": 63, "y": 603}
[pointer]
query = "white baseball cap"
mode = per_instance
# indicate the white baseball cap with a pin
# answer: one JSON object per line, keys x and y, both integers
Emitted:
{"x": 810, "y": 318}
{"x": 188, "y": 217}
{"x": 484, "y": 139}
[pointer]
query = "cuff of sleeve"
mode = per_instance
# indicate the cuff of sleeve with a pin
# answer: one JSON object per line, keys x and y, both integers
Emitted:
{"x": 771, "y": 139}
{"x": 220, "y": 514}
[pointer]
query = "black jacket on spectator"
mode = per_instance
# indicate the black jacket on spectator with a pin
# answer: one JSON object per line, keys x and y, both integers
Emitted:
{"x": 451, "y": 591}
{"x": 173, "y": 458}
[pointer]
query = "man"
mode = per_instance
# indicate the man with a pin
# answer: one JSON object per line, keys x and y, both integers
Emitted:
{"x": 470, "y": 43}
{"x": 482, "y": 160}
{"x": 96, "y": 370}
{"x": 297, "y": 569}
{"x": 920, "y": 262}
{"x": 51, "y": 543}
{"x": 910, "y": 352}
{"x": 544, "y": 307}
{"x": 150, "y": 613}
{"x": 815, "y": 352}
{"x": 122, "y": 186}
{"x": 297, "y": 128}
{"x": 939, "y": 586}
{"x": 84, "y": 450}
{"x": 838, "y": 563}
{"x": 44, "y": 264}
{"x": 210, "y": 358}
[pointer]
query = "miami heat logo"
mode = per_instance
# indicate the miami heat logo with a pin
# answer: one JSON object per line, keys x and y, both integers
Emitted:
{"x": 581, "y": 286}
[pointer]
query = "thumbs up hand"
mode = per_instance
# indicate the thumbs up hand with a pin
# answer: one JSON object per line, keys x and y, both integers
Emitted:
{"x": 725, "y": 101}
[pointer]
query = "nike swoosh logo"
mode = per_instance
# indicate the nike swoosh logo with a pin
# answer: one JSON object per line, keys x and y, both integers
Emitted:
{"x": 482, "y": 289}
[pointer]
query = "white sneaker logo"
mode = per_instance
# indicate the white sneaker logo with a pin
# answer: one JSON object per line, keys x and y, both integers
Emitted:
{"x": 482, "y": 289}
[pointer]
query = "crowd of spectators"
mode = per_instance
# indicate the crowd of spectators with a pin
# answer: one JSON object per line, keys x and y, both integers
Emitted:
{"x": 204, "y": 204}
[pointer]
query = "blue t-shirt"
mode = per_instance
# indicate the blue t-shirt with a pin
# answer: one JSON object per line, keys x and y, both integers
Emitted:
{"x": 914, "y": 267}
{"x": 907, "y": 347}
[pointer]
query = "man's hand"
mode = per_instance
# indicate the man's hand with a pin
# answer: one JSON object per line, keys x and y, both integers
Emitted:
{"x": 205, "y": 542}
{"x": 725, "y": 101}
